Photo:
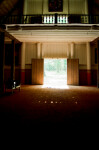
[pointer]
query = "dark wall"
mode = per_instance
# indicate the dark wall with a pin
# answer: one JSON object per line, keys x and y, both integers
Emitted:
{"x": 93, "y": 7}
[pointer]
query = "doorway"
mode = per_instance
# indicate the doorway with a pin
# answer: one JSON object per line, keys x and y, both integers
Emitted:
{"x": 55, "y": 72}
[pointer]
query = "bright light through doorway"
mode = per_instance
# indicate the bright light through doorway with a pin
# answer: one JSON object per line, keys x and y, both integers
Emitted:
{"x": 55, "y": 72}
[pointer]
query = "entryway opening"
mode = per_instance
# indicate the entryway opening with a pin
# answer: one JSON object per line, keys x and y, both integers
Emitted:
{"x": 55, "y": 72}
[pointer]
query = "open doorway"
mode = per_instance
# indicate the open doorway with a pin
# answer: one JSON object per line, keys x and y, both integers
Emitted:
{"x": 55, "y": 72}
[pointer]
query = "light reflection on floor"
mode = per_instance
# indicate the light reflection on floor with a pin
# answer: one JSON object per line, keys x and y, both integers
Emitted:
{"x": 50, "y": 102}
{"x": 58, "y": 86}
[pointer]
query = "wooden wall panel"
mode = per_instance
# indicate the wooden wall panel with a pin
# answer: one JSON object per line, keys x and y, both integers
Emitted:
{"x": 73, "y": 71}
{"x": 37, "y": 71}
{"x": 28, "y": 76}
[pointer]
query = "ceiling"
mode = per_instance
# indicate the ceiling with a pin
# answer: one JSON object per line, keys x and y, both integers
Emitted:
{"x": 7, "y": 6}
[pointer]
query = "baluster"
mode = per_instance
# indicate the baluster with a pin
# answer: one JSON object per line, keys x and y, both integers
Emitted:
{"x": 98, "y": 19}
{"x": 22, "y": 21}
{"x": 59, "y": 19}
{"x": 68, "y": 18}
{"x": 52, "y": 19}
{"x": 29, "y": 20}
{"x": 94, "y": 19}
{"x": 62, "y": 19}
{"x": 49, "y": 19}
{"x": 46, "y": 18}
{"x": 55, "y": 18}
{"x": 13, "y": 20}
{"x": 65, "y": 19}
{"x": 42, "y": 19}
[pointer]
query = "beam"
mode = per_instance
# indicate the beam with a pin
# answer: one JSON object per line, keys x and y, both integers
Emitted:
{"x": 9, "y": 35}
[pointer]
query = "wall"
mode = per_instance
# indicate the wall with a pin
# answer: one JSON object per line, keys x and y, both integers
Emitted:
{"x": 94, "y": 63}
{"x": 33, "y": 7}
{"x": 56, "y": 50}
{"x": 30, "y": 53}
{"x": 93, "y": 7}
{"x": 80, "y": 53}
{"x": 69, "y": 7}
{"x": 7, "y": 67}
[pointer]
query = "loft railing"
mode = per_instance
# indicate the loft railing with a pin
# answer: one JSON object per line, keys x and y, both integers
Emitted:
{"x": 51, "y": 19}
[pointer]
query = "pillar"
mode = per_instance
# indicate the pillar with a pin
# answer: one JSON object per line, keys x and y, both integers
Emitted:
{"x": 98, "y": 67}
{"x": 72, "y": 50}
{"x": 2, "y": 58}
{"x": 42, "y": 50}
{"x": 13, "y": 60}
{"x": 67, "y": 50}
{"x": 38, "y": 50}
{"x": 23, "y": 63}
{"x": 86, "y": 7}
{"x": 88, "y": 64}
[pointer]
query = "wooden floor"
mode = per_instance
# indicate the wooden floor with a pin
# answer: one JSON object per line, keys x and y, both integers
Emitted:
{"x": 39, "y": 109}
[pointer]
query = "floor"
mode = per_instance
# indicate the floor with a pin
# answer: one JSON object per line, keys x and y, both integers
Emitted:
{"x": 70, "y": 109}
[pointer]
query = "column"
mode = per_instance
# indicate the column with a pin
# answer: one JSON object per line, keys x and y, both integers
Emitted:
{"x": 86, "y": 7}
{"x": 23, "y": 63}
{"x": 38, "y": 50}
{"x": 98, "y": 67}
{"x": 72, "y": 50}
{"x": 2, "y": 58}
{"x": 42, "y": 51}
{"x": 13, "y": 61}
{"x": 67, "y": 50}
{"x": 88, "y": 64}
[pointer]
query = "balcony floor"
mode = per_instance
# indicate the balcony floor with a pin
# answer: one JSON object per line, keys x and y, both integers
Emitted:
{"x": 54, "y": 32}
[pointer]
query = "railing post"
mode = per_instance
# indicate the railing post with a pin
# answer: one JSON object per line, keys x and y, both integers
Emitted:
{"x": 56, "y": 18}
{"x": 90, "y": 19}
